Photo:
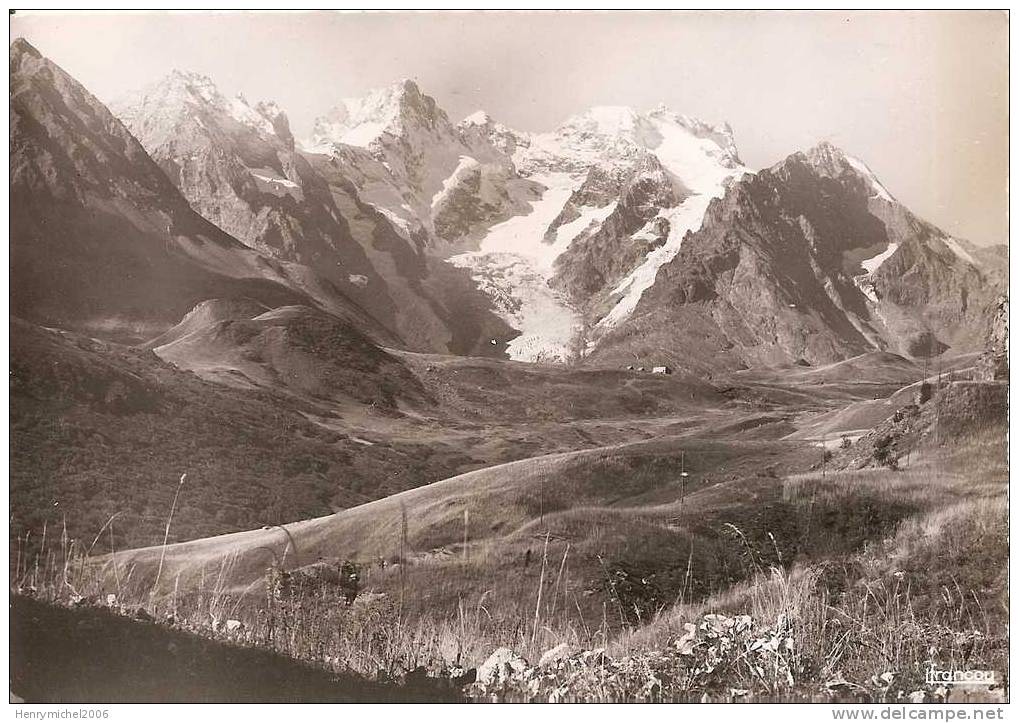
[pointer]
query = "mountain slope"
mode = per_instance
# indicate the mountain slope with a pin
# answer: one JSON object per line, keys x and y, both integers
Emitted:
{"x": 101, "y": 240}
{"x": 809, "y": 260}
{"x": 603, "y": 254}
{"x": 237, "y": 166}
{"x": 611, "y": 182}
{"x": 437, "y": 306}
{"x": 616, "y": 506}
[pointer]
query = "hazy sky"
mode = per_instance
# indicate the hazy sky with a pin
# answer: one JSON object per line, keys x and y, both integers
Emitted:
{"x": 921, "y": 97}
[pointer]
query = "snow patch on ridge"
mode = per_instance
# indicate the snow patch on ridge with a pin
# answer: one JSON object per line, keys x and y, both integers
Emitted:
{"x": 589, "y": 215}
{"x": 241, "y": 111}
{"x": 700, "y": 163}
{"x": 478, "y": 118}
{"x": 867, "y": 288}
{"x": 524, "y": 234}
{"x": 279, "y": 181}
{"x": 464, "y": 166}
{"x": 874, "y": 262}
{"x": 362, "y": 135}
{"x": 959, "y": 251}
{"x": 361, "y": 121}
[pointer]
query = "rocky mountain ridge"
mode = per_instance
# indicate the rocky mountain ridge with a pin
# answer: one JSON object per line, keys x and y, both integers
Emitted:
{"x": 811, "y": 261}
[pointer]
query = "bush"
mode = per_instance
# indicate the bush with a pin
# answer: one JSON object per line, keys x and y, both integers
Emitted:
{"x": 884, "y": 454}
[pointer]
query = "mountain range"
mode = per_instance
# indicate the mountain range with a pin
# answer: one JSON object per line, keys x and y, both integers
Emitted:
{"x": 620, "y": 237}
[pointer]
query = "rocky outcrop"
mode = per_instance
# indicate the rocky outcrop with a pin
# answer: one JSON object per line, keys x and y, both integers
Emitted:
{"x": 500, "y": 668}
{"x": 601, "y": 258}
{"x": 474, "y": 197}
{"x": 949, "y": 412}
{"x": 601, "y": 187}
{"x": 993, "y": 362}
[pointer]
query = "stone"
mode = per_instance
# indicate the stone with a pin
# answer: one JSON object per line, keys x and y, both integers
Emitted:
{"x": 501, "y": 666}
{"x": 557, "y": 654}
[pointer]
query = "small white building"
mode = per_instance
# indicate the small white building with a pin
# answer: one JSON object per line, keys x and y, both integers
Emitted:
{"x": 661, "y": 370}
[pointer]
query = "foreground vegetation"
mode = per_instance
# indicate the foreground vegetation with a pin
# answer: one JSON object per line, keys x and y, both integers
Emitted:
{"x": 884, "y": 573}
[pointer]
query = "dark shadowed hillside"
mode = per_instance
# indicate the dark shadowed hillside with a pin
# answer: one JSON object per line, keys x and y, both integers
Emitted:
{"x": 100, "y": 238}
{"x": 99, "y": 429}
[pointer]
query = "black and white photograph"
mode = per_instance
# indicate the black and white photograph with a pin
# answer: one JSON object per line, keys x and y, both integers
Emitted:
{"x": 509, "y": 356}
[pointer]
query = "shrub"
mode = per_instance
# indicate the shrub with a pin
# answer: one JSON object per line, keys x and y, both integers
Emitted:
{"x": 884, "y": 454}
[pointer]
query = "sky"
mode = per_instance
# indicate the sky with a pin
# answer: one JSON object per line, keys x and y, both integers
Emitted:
{"x": 922, "y": 97}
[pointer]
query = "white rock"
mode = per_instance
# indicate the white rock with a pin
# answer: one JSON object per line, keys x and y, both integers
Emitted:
{"x": 559, "y": 652}
{"x": 500, "y": 668}
{"x": 233, "y": 625}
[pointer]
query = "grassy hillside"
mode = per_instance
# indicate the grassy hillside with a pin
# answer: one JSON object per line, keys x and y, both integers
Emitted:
{"x": 932, "y": 586}
{"x": 98, "y": 429}
{"x": 621, "y": 511}
{"x": 294, "y": 348}
{"x": 591, "y": 499}
{"x": 296, "y": 417}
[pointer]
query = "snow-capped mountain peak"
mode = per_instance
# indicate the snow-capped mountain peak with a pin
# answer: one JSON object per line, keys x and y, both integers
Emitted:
{"x": 699, "y": 155}
{"x": 623, "y": 187}
{"x": 644, "y": 128}
{"x": 477, "y": 118}
{"x": 606, "y": 120}
{"x": 480, "y": 127}
{"x": 199, "y": 86}
{"x": 188, "y": 93}
{"x": 389, "y": 110}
